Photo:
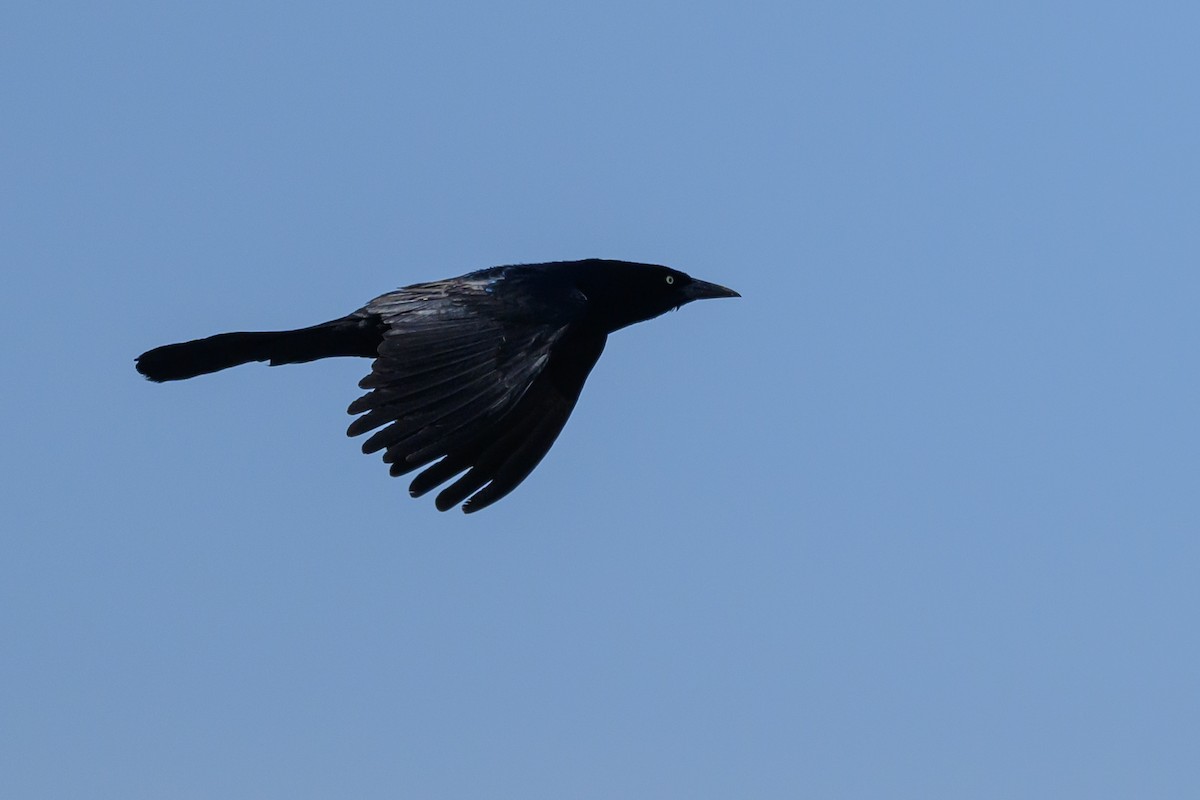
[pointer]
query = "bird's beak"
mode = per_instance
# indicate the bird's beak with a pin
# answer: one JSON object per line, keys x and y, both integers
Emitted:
{"x": 703, "y": 290}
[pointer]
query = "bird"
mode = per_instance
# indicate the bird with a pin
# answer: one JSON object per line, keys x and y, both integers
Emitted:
{"x": 473, "y": 377}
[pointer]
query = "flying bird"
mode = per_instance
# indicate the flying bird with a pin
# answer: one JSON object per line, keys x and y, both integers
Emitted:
{"x": 473, "y": 376}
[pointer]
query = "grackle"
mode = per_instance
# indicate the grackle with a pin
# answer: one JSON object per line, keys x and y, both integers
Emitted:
{"x": 477, "y": 373}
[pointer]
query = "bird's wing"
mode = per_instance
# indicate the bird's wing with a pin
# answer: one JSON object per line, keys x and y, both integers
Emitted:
{"x": 478, "y": 374}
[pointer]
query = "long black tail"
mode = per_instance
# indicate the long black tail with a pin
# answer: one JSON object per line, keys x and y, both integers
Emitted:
{"x": 348, "y": 336}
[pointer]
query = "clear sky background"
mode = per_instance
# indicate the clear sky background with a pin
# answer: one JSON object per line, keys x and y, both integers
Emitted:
{"x": 916, "y": 518}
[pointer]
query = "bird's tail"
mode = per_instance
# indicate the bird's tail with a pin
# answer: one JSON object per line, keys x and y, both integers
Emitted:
{"x": 348, "y": 336}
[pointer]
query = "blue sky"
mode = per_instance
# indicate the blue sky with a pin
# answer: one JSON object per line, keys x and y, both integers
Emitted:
{"x": 915, "y": 518}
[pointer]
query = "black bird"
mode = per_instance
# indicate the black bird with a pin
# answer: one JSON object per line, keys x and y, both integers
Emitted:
{"x": 479, "y": 371}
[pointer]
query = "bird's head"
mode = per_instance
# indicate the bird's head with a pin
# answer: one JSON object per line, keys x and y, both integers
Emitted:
{"x": 621, "y": 293}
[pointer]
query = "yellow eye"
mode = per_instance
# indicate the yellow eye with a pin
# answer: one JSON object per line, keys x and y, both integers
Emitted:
{"x": 670, "y": 279}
